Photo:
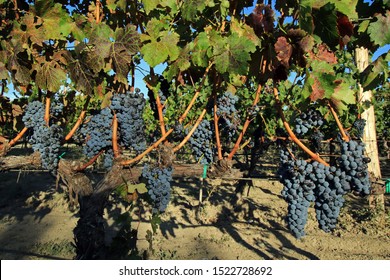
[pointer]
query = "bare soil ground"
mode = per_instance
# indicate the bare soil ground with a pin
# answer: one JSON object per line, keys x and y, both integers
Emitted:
{"x": 35, "y": 223}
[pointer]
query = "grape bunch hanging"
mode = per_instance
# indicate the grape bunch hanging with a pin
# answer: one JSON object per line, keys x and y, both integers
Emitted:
{"x": 45, "y": 138}
{"x": 307, "y": 182}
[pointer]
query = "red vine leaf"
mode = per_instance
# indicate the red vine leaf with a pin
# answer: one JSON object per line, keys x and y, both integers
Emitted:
{"x": 323, "y": 54}
{"x": 345, "y": 29}
{"x": 283, "y": 51}
{"x": 318, "y": 92}
{"x": 262, "y": 19}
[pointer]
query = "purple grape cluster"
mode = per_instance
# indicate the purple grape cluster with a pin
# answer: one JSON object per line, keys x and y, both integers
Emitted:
{"x": 129, "y": 108}
{"x": 359, "y": 125}
{"x": 202, "y": 143}
{"x": 44, "y": 139}
{"x": 354, "y": 163}
{"x": 159, "y": 185}
{"x": 307, "y": 121}
{"x": 97, "y": 132}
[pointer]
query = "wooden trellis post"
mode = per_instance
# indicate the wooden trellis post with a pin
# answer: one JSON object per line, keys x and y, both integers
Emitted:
{"x": 369, "y": 135}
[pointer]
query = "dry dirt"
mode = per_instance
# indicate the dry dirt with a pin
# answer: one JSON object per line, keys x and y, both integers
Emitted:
{"x": 37, "y": 224}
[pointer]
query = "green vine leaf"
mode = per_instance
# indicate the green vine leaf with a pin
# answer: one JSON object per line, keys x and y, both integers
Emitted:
{"x": 380, "y": 30}
{"x": 344, "y": 6}
{"x": 57, "y": 23}
{"x": 160, "y": 49}
{"x": 232, "y": 54}
{"x": 201, "y": 45}
{"x": 343, "y": 95}
{"x": 141, "y": 188}
{"x": 325, "y": 21}
{"x": 114, "y": 4}
{"x": 376, "y": 72}
{"x": 150, "y": 5}
{"x": 191, "y": 8}
{"x": 50, "y": 76}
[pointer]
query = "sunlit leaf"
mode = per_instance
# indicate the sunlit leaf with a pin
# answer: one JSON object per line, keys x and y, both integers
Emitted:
{"x": 141, "y": 188}
{"x": 380, "y": 30}
{"x": 50, "y": 76}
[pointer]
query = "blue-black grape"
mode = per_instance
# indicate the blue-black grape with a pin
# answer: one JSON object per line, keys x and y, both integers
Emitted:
{"x": 129, "y": 110}
{"x": 359, "y": 125}
{"x": 228, "y": 114}
{"x": 307, "y": 121}
{"x": 159, "y": 185}
{"x": 354, "y": 163}
{"x": 44, "y": 139}
{"x": 201, "y": 143}
{"x": 97, "y": 132}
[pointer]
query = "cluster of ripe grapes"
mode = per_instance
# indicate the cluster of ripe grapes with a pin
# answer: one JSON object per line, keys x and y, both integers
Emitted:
{"x": 129, "y": 108}
{"x": 202, "y": 143}
{"x": 307, "y": 182}
{"x": 307, "y": 121}
{"x": 46, "y": 139}
{"x": 159, "y": 185}
{"x": 228, "y": 115}
{"x": 97, "y": 132}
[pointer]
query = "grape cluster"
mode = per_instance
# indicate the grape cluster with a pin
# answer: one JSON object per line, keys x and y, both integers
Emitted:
{"x": 298, "y": 191}
{"x": 129, "y": 108}
{"x": 316, "y": 139}
{"x": 226, "y": 104}
{"x": 228, "y": 114}
{"x": 353, "y": 162}
{"x": 163, "y": 100}
{"x": 108, "y": 159}
{"x": 307, "y": 121}
{"x": 306, "y": 182}
{"x": 201, "y": 143}
{"x": 34, "y": 114}
{"x": 56, "y": 107}
{"x": 47, "y": 141}
{"x": 331, "y": 185}
{"x": 44, "y": 139}
{"x": 159, "y": 185}
{"x": 359, "y": 125}
{"x": 97, "y": 132}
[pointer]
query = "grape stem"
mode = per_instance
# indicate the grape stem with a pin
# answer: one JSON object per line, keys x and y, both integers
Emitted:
{"x": 20, "y": 135}
{"x": 246, "y": 125}
{"x": 90, "y": 162}
{"x": 76, "y": 125}
{"x": 144, "y": 153}
{"x": 340, "y": 126}
{"x": 115, "y": 147}
{"x": 217, "y": 137}
{"x": 293, "y": 137}
{"x": 159, "y": 109}
{"x": 182, "y": 143}
{"x": 47, "y": 109}
{"x": 196, "y": 93}
{"x": 79, "y": 120}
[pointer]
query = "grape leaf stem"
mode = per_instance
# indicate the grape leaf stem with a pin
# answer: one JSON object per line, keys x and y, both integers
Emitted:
{"x": 17, "y": 137}
{"x": 246, "y": 125}
{"x": 90, "y": 162}
{"x": 144, "y": 153}
{"x": 339, "y": 125}
{"x": 47, "y": 109}
{"x": 159, "y": 109}
{"x": 188, "y": 136}
{"x": 217, "y": 136}
{"x": 115, "y": 147}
